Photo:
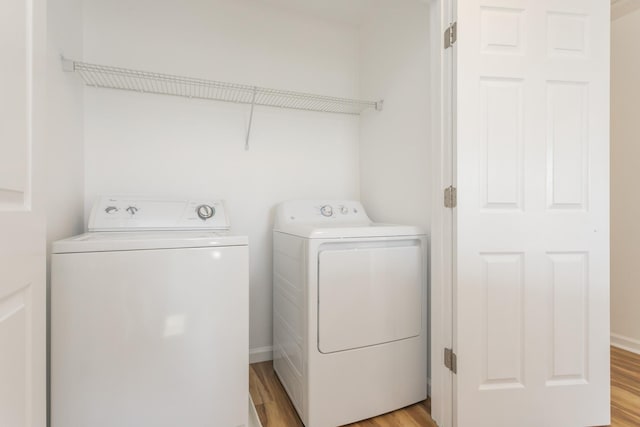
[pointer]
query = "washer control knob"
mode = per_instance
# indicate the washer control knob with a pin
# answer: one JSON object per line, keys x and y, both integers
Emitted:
{"x": 344, "y": 210}
{"x": 111, "y": 210}
{"x": 326, "y": 210}
{"x": 132, "y": 210}
{"x": 205, "y": 212}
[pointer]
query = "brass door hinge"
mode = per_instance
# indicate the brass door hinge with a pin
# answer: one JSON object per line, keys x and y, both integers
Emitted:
{"x": 451, "y": 35}
{"x": 450, "y": 197}
{"x": 450, "y": 360}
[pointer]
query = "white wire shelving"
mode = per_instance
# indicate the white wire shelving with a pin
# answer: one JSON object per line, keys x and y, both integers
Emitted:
{"x": 103, "y": 76}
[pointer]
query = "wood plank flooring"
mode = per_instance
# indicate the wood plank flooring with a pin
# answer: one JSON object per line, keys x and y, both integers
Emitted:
{"x": 275, "y": 409}
{"x": 625, "y": 388}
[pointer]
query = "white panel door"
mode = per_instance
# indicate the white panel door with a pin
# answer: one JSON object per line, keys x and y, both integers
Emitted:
{"x": 532, "y": 245}
{"x": 22, "y": 234}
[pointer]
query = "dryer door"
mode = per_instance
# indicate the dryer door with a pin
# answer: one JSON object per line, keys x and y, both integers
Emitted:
{"x": 369, "y": 294}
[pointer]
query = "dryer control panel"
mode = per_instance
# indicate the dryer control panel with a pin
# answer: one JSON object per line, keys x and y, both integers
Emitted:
{"x": 123, "y": 213}
{"x": 322, "y": 212}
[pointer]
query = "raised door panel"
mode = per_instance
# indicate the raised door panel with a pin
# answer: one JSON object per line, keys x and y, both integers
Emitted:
{"x": 502, "y": 133}
{"x": 15, "y": 107}
{"x": 568, "y": 145}
{"x": 503, "y": 322}
{"x": 569, "y": 361}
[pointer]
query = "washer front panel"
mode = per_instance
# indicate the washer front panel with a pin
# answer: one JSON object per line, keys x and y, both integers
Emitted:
{"x": 150, "y": 338}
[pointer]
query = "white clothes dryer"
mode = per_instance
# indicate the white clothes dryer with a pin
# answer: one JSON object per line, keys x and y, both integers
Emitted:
{"x": 350, "y": 318}
{"x": 149, "y": 318}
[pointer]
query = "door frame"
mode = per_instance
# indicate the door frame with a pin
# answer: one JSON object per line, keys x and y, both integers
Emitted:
{"x": 441, "y": 283}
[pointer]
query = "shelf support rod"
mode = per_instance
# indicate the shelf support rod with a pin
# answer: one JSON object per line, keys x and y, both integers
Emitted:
{"x": 253, "y": 104}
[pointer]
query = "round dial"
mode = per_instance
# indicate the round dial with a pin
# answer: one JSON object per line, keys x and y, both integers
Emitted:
{"x": 326, "y": 210}
{"x": 205, "y": 212}
{"x": 111, "y": 209}
{"x": 344, "y": 210}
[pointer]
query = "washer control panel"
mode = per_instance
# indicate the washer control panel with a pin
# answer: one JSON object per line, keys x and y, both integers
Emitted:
{"x": 121, "y": 213}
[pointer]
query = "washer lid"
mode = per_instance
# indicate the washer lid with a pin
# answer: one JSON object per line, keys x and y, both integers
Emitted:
{"x": 141, "y": 240}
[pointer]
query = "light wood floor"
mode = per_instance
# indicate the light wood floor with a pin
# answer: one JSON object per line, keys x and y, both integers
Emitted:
{"x": 625, "y": 388}
{"x": 275, "y": 409}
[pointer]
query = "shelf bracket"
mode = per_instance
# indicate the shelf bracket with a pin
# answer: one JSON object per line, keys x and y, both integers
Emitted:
{"x": 67, "y": 64}
{"x": 253, "y": 104}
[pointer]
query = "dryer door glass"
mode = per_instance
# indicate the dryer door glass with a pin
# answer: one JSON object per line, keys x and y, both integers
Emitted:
{"x": 369, "y": 295}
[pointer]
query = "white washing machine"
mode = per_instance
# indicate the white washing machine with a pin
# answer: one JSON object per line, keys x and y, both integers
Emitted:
{"x": 350, "y": 319}
{"x": 149, "y": 318}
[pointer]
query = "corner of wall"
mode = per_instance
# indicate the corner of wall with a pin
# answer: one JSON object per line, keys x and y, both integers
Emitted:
{"x": 65, "y": 169}
{"x": 620, "y": 8}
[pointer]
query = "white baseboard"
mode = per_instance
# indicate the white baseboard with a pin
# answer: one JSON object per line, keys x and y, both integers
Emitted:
{"x": 625, "y": 343}
{"x": 260, "y": 354}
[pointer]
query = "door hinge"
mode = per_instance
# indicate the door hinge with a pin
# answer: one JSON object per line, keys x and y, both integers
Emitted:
{"x": 450, "y": 197}
{"x": 450, "y": 360}
{"x": 451, "y": 35}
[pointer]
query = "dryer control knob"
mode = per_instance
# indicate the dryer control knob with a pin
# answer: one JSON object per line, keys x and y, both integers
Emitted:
{"x": 344, "y": 210}
{"x": 205, "y": 212}
{"x": 326, "y": 210}
{"x": 111, "y": 209}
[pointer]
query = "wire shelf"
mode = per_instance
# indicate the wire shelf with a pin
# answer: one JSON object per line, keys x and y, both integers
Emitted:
{"x": 104, "y": 76}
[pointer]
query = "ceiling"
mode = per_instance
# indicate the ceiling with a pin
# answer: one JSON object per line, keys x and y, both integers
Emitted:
{"x": 347, "y": 12}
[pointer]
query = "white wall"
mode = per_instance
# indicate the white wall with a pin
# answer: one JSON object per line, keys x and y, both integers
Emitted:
{"x": 395, "y": 149}
{"x": 625, "y": 174}
{"x": 64, "y": 148}
{"x": 394, "y": 145}
{"x": 64, "y": 160}
{"x": 157, "y": 145}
